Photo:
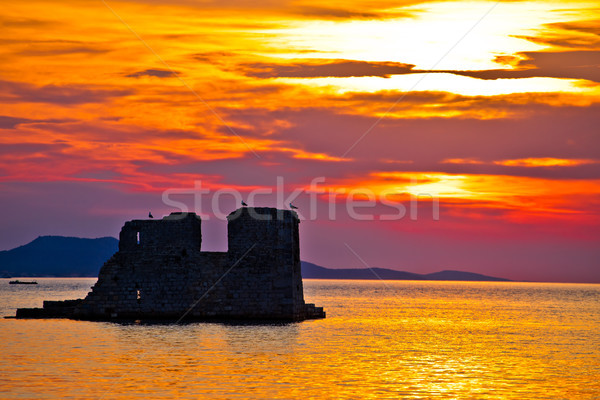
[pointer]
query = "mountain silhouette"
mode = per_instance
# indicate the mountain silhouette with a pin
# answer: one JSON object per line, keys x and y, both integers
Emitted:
{"x": 313, "y": 271}
{"x": 61, "y": 256}
{"x": 58, "y": 256}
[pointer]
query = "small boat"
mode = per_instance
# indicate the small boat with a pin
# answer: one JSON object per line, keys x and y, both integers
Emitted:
{"x": 18, "y": 282}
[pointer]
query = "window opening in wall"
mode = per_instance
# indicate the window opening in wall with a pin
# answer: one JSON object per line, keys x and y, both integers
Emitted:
{"x": 139, "y": 294}
{"x": 138, "y": 238}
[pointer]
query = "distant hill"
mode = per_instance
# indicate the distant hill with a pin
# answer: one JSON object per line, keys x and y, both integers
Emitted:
{"x": 58, "y": 256}
{"x": 450, "y": 275}
{"x": 313, "y": 271}
{"x": 71, "y": 256}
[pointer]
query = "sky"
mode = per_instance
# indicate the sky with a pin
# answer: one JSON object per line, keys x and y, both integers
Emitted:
{"x": 412, "y": 135}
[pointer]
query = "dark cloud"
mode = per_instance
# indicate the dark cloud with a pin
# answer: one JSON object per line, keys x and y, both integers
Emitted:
{"x": 61, "y": 49}
{"x": 564, "y": 64}
{"x": 11, "y": 122}
{"x": 515, "y": 104}
{"x": 343, "y": 13}
{"x": 410, "y": 99}
{"x": 326, "y": 68}
{"x": 7, "y": 122}
{"x": 44, "y": 48}
{"x": 29, "y": 149}
{"x": 368, "y": 8}
{"x": 586, "y": 26}
{"x": 12, "y": 92}
{"x": 569, "y": 41}
{"x": 574, "y": 35}
{"x": 8, "y": 22}
{"x": 213, "y": 57}
{"x": 158, "y": 73}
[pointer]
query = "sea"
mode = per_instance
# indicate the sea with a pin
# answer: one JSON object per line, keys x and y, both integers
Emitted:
{"x": 380, "y": 340}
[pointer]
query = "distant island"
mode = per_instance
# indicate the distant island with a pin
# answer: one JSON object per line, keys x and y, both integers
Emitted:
{"x": 60, "y": 256}
{"x": 313, "y": 271}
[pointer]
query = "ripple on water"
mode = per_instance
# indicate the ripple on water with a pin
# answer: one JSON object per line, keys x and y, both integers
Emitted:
{"x": 398, "y": 340}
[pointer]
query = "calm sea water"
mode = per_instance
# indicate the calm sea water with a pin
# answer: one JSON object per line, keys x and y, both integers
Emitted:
{"x": 393, "y": 339}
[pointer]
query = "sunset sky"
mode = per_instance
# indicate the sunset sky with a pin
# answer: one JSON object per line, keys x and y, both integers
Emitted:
{"x": 491, "y": 107}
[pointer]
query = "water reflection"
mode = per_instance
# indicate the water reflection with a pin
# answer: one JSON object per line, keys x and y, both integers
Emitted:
{"x": 401, "y": 340}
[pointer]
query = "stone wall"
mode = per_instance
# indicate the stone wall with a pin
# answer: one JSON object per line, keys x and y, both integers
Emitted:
{"x": 160, "y": 272}
{"x": 177, "y": 231}
{"x": 264, "y": 244}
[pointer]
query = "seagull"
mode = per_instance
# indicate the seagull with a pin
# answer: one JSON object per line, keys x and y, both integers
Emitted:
{"x": 244, "y": 204}
{"x": 150, "y": 214}
{"x": 293, "y": 207}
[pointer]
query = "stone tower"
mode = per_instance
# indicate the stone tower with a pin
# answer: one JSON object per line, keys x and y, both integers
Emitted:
{"x": 264, "y": 241}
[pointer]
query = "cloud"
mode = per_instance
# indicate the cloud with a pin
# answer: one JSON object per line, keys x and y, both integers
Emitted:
{"x": 11, "y": 92}
{"x": 158, "y": 73}
{"x": 587, "y": 42}
{"x": 462, "y": 161}
{"x": 533, "y": 162}
{"x": 545, "y": 162}
{"x": 11, "y": 122}
{"x": 33, "y": 47}
{"x": 58, "y": 49}
{"x": 544, "y": 167}
{"x": 326, "y": 68}
{"x": 30, "y": 149}
{"x": 345, "y": 13}
{"x": 541, "y": 131}
{"x": 583, "y": 34}
{"x": 563, "y": 64}
{"x": 7, "y": 122}
{"x": 213, "y": 56}
{"x": 22, "y": 22}
{"x": 368, "y": 9}
{"x": 585, "y": 26}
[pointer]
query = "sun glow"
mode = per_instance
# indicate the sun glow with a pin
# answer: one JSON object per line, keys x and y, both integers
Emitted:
{"x": 425, "y": 33}
{"x": 444, "y": 82}
{"x": 443, "y": 35}
{"x": 480, "y": 102}
{"x": 494, "y": 191}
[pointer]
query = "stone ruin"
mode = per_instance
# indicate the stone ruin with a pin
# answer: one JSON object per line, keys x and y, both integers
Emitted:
{"x": 160, "y": 273}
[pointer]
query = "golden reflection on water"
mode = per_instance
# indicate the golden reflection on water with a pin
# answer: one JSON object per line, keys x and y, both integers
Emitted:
{"x": 393, "y": 340}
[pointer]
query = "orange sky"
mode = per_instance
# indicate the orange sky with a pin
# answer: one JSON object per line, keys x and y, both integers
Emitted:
{"x": 491, "y": 106}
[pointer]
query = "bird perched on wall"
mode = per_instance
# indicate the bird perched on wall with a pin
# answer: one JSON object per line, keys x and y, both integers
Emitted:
{"x": 293, "y": 207}
{"x": 150, "y": 214}
{"x": 244, "y": 204}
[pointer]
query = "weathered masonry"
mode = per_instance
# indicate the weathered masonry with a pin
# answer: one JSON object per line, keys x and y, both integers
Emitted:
{"x": 159, "y": 272}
